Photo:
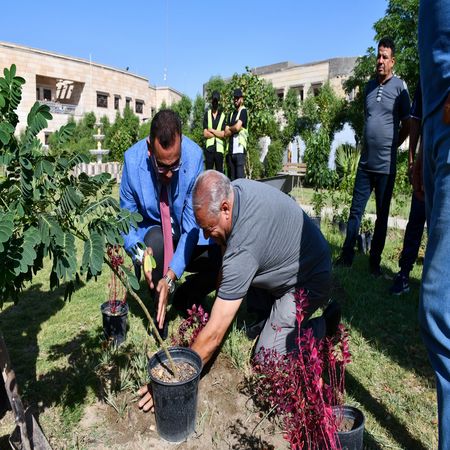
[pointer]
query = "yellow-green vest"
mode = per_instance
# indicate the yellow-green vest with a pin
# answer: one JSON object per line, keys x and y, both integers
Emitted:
{"x": 215, "y": 140}
{"x": 243, "y": 132}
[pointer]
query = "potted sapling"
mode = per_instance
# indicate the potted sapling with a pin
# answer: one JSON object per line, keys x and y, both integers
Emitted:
{"x": 318, "y": 202}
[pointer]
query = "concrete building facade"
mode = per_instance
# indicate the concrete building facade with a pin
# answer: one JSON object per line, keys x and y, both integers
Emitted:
{"x": 73, "y": 86}
{"x": 307, "y": 78}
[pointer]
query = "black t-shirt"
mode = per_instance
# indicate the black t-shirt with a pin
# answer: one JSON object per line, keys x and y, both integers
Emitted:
{"x": 215, "y": 125}
{"x": 243, "y": 117}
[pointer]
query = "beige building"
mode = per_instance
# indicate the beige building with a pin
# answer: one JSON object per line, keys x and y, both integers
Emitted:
{"x": 307, "y": 78}
{"x": 74, "y": 86}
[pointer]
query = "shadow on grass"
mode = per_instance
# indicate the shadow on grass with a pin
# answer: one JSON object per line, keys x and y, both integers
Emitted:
{"x": 246, "y": 440}
{"x": 388, "y": 321}
{"x": 21, "y": 324}
{"x": 384, "y": 418}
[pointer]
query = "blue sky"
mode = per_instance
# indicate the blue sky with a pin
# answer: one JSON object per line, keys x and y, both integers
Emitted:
{"x": 192, "y": 40}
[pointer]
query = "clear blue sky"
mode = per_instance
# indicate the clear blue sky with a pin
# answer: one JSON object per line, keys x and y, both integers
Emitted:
{"x": 192, "y": 39}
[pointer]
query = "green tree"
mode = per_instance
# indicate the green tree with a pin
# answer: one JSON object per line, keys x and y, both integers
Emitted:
{"x": 198, "y": 112}
{"x": 291, "y": 109}
{"x": 184, "y": 108}
{"x": 122, "y": 134}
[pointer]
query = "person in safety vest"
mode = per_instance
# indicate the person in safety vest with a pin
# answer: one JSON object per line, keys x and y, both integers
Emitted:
{"x": 237, "y": 131}
{"x": 214, "y": 131}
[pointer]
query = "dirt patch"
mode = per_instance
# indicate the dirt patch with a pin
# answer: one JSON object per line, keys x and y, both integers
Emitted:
{"x": 226, "y": 419}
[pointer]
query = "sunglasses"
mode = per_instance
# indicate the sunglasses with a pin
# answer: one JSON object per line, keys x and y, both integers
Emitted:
{"x": 163, "y": 168}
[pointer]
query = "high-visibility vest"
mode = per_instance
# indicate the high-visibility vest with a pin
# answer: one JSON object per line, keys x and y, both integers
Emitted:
{"x": 215, "y": 140}
{"x": 243, "y": 132}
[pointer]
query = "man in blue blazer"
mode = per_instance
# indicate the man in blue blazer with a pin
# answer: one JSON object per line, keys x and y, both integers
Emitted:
{"x": 167, "y": 159}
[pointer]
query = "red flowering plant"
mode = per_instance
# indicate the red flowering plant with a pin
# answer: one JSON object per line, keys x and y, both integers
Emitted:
{"x": 117, "y": 292}
{"x": 190, "y": 327}
{"x": 303, "y": 386}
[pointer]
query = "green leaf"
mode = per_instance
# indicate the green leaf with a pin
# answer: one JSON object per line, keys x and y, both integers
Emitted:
{"x": 2, "y": 101}
{"x": 6, "y": 228}
{"x": 132, "y": 280}
{"x": 93, "y": 253}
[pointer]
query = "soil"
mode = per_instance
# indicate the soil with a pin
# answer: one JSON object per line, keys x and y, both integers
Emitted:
{"x": 226, "y": 419}
{"x": 185, "y": 372}
{"x": 347, "y": 424}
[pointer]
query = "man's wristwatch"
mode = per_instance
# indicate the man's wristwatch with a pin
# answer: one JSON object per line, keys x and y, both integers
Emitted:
{"x": 170, "y": 283}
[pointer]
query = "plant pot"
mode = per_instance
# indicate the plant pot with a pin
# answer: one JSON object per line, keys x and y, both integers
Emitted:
{"x": 175, "y": 403}
{"x": 115, "y": 325}
{"x": 353, "y": 438}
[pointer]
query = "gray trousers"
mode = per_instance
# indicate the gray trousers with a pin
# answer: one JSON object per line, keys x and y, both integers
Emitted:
{"x": 281, "y": 329}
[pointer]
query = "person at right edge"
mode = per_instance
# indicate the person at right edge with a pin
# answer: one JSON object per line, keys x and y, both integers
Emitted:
{"x": 416, "y": 219}
{"x": 386, "y": 126}
{"x": 434, "y": 305}
{"x": 237, "y": 131}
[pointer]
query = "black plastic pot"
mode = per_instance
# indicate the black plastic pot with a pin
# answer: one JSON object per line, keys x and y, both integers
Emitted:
{"x": 115, "y": 325}
{"x": 353, "y": 439}
{"x": 175, "y": 403}
{"x": 364, "y": 242}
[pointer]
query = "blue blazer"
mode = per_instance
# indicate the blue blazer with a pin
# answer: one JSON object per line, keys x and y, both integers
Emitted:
{"x": 139, "y": 192}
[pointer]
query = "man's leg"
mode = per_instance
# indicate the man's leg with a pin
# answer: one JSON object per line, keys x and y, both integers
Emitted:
{"x": 240, "y": 165}
{"x": 413, "y": 235}
{"x": 361, "y": 194}
{"x": 209, "y": 160}
{"x": 231, "y": 167}
{"x": 205, "y": 265}
{"x": 154, "y": 239}
{"x": 219, "y": 162}
{"x": 384, "y": 186}
{"x": 434, "y": 307}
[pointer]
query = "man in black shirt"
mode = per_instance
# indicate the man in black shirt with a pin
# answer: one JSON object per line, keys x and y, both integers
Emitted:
{"x": 237, "y": 131}
{"x": 214, "y": 132}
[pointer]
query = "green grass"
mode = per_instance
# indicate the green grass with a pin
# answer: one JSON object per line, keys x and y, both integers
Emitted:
{"x": 56, "y": 351}
{"x": 399, "y": 206}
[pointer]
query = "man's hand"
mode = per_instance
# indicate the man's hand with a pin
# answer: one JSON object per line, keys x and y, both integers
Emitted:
{"x": 148, "y": 267}
{"x": 146, "y": 401}
{"x": 163, "y": 298}
{"x": 417, "y": 177}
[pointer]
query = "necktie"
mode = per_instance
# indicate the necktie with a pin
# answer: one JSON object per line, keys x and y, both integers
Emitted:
{"x": 166, "y": 227}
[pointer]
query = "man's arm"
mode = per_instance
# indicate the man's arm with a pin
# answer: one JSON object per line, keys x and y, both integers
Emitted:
{"x": 236, "y": 127}
{"x": 414, "y": 134}
{"x": 207, "y": 133}
{"x": 404, "y": 131}
{"x": 210, "y": 338}
{"x": 217, "y": 133}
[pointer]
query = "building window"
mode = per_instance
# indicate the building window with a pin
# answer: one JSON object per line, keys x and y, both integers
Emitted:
{"x": 280, "y": 95}
{"x": 38, "y": 94}
{"x": 102, "y": 100}
{"x": 316, "y": 89}
{"x": 128, "y": 102}
{"x": 116, "y": 102}
{"x": 47, "y": 94}
{"x": 139, "y": 107}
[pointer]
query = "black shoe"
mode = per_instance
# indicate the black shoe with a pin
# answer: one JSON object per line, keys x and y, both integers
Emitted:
{"x": 400, "y": 285}
{"x": 342, "y": 262}
{"x": 332, "y": 317}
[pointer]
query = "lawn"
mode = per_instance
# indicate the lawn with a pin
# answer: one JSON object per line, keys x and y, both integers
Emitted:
{"x": 65, "y": 373}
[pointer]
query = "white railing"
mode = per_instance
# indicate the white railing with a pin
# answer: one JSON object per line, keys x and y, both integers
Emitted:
{"x": 94, "y": 168}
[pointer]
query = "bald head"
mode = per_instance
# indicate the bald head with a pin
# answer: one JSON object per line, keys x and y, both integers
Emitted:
{"x": 210, "y": 190}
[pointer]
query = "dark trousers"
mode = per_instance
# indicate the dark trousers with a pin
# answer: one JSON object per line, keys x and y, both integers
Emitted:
{"x": 205, "y": 264}
{"x": 214, "y": 160}
{"x": 413, "y": 235}
{"x": 236, "y": 166}
{"x": 365, "y": 183}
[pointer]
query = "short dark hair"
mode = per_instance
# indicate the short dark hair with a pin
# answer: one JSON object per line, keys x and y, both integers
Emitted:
{"x": 166, "y": 125}
{"x": 387, "y": 42}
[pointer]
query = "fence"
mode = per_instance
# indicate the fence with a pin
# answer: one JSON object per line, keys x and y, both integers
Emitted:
{"x": 94, "y": 168}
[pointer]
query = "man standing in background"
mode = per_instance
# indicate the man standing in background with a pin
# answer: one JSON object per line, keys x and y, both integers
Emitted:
{"x": 237, "y": 131}
{"x": 214, "y": 133}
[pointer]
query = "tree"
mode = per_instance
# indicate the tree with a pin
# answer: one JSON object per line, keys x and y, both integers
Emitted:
{"x": 45, "y": 208}
{"x": 197, "y": 121}
{"x": 290, "y": 113}
{"x": 183, "y": 108}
